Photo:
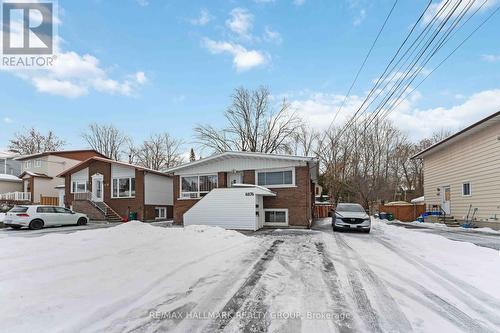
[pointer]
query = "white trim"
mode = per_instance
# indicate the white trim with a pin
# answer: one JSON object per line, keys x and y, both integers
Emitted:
{"x": 37, "y": 163}
{"x": 243, "y": 154}
{"x": 470, "y": 189}
{"x": 117, "y": 192}
{"x": 276, "y": 210}
{"x": 197, "y": 193}
{"x": 276, "y": 170}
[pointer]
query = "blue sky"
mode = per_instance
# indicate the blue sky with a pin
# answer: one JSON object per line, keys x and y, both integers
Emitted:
{"x": 156, "y": 65}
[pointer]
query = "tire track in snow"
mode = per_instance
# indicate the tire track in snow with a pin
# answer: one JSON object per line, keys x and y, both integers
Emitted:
{"x": 238, "y": 299}
{"x": 331, "y": 279}
{"x": 392, "y": 313}
{"x": 365, "y": 309}
{"x": 460, "y": 289}
{"x": 439, "y": 305}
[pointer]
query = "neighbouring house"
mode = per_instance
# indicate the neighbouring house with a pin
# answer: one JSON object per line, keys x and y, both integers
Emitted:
{"x": 110, "y": 190}
{"x": 245, "y": 190}
{"x": 10, "y": 184}
{"x": 461, "y": 173}
{"x": 39, "y": 173}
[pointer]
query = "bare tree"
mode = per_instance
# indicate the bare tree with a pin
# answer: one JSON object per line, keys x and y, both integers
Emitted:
{"x": 106, "y": 139}
{"x": 33, "y": 142}
{"x": 160, "y": 152}
{"x": 305, "y": 141}
{"x": 252, "y": 125}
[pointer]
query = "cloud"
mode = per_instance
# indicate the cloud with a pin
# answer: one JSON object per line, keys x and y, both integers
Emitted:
{"x": 360, "y": 18}
{"x": 421, "y": 123}
{"x": 203, "y": 19}
{"x": 7, "y": 120}
{"x": 73, "y": 75}
{"x": 142, "y": 3}
{"x": 240, "y": 22}
{"x": 299, "y": 2}
{"x": 436, "y": 7}
{"x": 243, "y": 59}
{"x": 490, "y": 57}
{"x": 319, "y": 109}
{"x": 272, "y": 36}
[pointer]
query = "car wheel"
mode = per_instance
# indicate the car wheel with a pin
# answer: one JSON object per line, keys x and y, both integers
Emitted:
{"x": 82, "y": 221}
{"x": 336, "y": 229}
{"x": 36, "y": 224}
{"x": 367, "y": 231}
{"x": 17, "y": 227}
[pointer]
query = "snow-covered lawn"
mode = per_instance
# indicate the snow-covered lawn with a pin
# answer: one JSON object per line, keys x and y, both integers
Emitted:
{"x": 86, "y": 280}
{"x": 137, "y": 277}
{"x": 442, "y": 226}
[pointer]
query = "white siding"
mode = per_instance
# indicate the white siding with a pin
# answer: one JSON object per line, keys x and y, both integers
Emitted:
{"x": 229, "y": 208}
{"x": 158, "y": 190}
{"x": 238, "y": 163}
{"x": 122, "y": 171}
{"x": 475, "y": 159}
{"x": 7, "y": 186}
{"x": 82, "y": 175}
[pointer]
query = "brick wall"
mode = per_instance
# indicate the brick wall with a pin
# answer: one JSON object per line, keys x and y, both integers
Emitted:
{"x": 297, "y": 199}
{"x": 183, "y": 205}
{"x": 150, "y": 213}
{"x": 86, "y": 207}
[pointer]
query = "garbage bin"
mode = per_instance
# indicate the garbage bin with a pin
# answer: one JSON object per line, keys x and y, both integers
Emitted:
{"x": 390, "y": 217}
{"x": 382, "y": 216}
{"x": 132, "y": 216}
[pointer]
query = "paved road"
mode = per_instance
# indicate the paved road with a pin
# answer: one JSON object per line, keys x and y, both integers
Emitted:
{"x": 484, "y": 239}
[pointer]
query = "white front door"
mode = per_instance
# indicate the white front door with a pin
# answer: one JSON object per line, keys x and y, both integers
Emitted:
{"x": 234, "y": 178}
{"x": 97, "y": 188}
{"x": 446, "y": 199}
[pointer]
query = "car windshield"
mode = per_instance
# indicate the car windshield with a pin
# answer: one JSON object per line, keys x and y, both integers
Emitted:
{"x": 353, "y": 208}
{"x": 18, "y": 209}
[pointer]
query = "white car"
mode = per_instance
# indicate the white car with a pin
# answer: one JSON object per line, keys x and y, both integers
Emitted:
{"x": 37, "y": 217}
{"x": 351, "y": 216}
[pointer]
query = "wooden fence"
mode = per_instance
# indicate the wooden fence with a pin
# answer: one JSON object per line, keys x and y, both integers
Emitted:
{"x": 51, "y": 201}
{"x": 322, "y": 211}
{"x": 406, "y": 213}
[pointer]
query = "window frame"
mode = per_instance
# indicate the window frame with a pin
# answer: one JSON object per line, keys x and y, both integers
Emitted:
{"x": 160, "y": 209}
{"x": 27, "y": 164}
{"x": 292, "y": 169}
{"x": 196, "y": 193}
{"x": 118, "y": 188}
{"x": 37, "y": 163}
{"x": 276, "y": 210}
{"x": 470, "y": 189}
{"x": 72, "y": 190}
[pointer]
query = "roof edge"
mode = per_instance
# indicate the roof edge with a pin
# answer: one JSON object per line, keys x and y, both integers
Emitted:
{"x": 462, "y": 131}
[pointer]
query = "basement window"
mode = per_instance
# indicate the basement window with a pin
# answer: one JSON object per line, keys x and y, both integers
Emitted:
{"x": 160, "y": 212}
{"x": 466, "y": 189}
{"x": 276, "y": 216}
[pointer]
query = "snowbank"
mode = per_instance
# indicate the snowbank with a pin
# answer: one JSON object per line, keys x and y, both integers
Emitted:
{"x": 80, "y": 281}
{"x": 445, "y": 227}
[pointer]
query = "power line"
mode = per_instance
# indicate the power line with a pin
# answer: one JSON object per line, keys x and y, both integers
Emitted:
{"x": 364, "y": 62}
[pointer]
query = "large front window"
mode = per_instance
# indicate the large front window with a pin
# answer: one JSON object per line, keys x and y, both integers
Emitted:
{"x": 78, "y": 186}
{"x": 275, "y": 178}
{"x": 197, "y": 186}
{"x": 123, "y": 187}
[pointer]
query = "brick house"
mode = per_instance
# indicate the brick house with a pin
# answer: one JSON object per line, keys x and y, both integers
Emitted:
{"x": 105, "y": 189}
{"x": 245, "y": 190}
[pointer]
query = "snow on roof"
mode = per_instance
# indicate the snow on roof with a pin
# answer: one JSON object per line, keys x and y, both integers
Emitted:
{"x": 7, "y": 154}
{"x": 9, "y": 178}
